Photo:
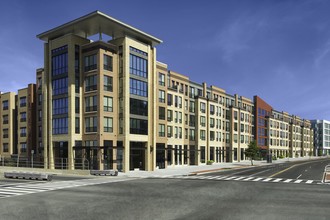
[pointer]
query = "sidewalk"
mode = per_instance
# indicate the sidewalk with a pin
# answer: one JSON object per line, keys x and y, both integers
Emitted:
{"x": 202, "y": 169}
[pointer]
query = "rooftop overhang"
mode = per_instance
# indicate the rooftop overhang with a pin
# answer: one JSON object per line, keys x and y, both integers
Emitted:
{"x": 95, "y": 23}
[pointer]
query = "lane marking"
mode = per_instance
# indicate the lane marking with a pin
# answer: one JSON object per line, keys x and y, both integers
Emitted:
{"x": 287, "y": 181}
{"x": 298, "y": 181}
{"x": 229, "y": 178}
{"x": 249, "y": 178}
{"x": 267, "y": 180}
{"x": 309, "y": 181}
{"x": 277, "y": 180}
{"x": 239, "y": 178}
{"x": 255, "y": 180}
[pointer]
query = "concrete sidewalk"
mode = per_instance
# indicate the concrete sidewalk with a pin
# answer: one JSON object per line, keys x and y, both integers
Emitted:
{"x": 202, "y": 169}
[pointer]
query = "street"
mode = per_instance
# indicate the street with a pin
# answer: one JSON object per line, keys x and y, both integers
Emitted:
{"x": 179, "y": 197}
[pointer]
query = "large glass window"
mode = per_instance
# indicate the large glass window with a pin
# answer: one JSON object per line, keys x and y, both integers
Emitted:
{"x": 202, "y": 134}
{"x": 91, "y": 124}
{"x": 60, "y": 106}
{"x": 138, "y": 107}
{"x": 23, "y": 147}
{"x": 138, "y": 64}
{"x": 202, "y": 107}
{"x": 91, "y": 83}
{"x": 90, "y": 63}
{"x": 169, "y": 131}
{"x": 107, "y": 82}
{"x": 107, "y": 62}
{"x": 108, "y": 124}
{"x": 5, "y": 119}
{"x": 77, "y": 125}
{"x": 138, "y": 126}
{"x": 60, "y": 60}
{"x": 138, "y": 87}
{"x": 60, "y": 86}
{"x": 5, "y": 133}
{"x": 5, "y": 147}
{"x": 107, "y": 104}
{"x": 91, "y": 103}
{"x": 60, "y": 125}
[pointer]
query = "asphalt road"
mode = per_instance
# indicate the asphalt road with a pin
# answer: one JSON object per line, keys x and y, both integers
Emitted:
{"x": 174, "y": 199}
{"x": 312, "y": 170}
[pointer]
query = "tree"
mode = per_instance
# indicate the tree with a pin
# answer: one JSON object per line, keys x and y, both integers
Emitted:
{"x": 252, "y": 151}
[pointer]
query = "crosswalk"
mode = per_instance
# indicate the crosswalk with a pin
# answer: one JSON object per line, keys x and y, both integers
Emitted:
{"x": 241, "y": 178}
{"x": 17, "y": 189}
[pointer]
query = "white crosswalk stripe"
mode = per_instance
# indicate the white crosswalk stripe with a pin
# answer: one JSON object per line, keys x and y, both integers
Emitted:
{"x": 8, "y": 190}
{"x": 244, "y": 178}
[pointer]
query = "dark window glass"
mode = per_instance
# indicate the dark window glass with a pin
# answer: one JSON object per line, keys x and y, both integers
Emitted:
{"x": 60, "y": 60}
{"x": 91, "y": 103}
{"x": 60, "y": 125}
{"x": 138, "y": 87}
{"x": 60, "y": 86}
{"x": 90, "y": 63}
{"x": 138, "y": 126}
{"x": 60, "y": 106}
{"x": 161, "y": 113}
{"x": 138, "y": 107}
{"x": 107, "y": 62}
{"x": 22, "y": 101}
{"x": 91, "y": 124}
{"x": 138, "y": 66}
{"x": 91, "y": 83}
{"x": 107, "y": 83}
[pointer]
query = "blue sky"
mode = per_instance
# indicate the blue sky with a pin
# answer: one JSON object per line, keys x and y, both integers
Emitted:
{"x": 279, "y": 50}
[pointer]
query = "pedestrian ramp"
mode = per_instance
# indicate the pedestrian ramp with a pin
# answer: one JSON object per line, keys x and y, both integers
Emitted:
{"x": 241, "y": 178}
{"x": 18, "y": 189}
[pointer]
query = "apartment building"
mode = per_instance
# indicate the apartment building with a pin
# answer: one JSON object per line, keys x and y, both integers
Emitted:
{"x": 25, "y": 114}
{"x": 8, "y": 124}
{"x": 321, "y": 137}
{"x": 109, "y": 104}
{"x": 280, "y": 134}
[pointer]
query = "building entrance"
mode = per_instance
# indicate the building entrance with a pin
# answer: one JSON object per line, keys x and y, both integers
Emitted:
{"x": 137, "y": 155}
{"x": 160, "y": 156}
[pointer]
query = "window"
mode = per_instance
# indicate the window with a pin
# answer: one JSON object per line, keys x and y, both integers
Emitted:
{"x": 5, "y": 105}
{"x": 60, "y": 125}
{"x": 169, "y": 99}
{"x": 161, "y": 78}
{"x": 192, "y": 106}
{"x": 138, "y": 87}
{"x": 107, "y": 62}
{"x": 235, "y": 138}
{"x": 60, "y": 106}
{"x": 161, "y": 113}
{"x": 202, "y": 135}
{"x": 138, "y": 63}
{"x": 23, "y": 131}
{"x": 138, "y": 107}
{"x": 169, "y": 115}
{"x": 161, "y": 96}
{"x": 202, "y": 107}
{"x": 203, "y": 121}
{"x": 5, "y": 147}
{"x": 212, "y": 136}
{"x": 39, "y": 131}
{"x": 5, "y": 133}
{"x": 235, "y": 115}
{"x": 60, "y": 60}
{"x": 23, "y": 147}
{"x": 5, "y": 119}
{"x": 169, "y": 131}
{"x": 212, "y": 122}
{"x": 60, "y": 86}
{"x": 108, "y": 124}
{"x": 22, "y": 101}
{"x": 107, "y": 104}
{"x": 242, "y": 127}
{"x": 91, "y": 83}
{"x": 23, "y": 117}
{"x": 107, "y": 83}
{"x": 91, "y": 124}
{"x": 39, "y": 99}
{"x": 91, "y": 103}
{"x": 77, "y": 125}
{"x": 90, "y": 63}
{"x": 192, "y": 120}
{"x": 212, "y": 109}
{"x": 77, "y": 105}
{"x": 138, "y": 126}
{"x": 192, "y": 134}
{"x": 161, "y": 130}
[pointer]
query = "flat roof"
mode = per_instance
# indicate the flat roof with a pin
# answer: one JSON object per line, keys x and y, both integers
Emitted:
{"x": 98, "y": 22}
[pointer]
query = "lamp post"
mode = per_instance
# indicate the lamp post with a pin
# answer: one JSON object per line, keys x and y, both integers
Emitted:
{"x": 32, "y": 152}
